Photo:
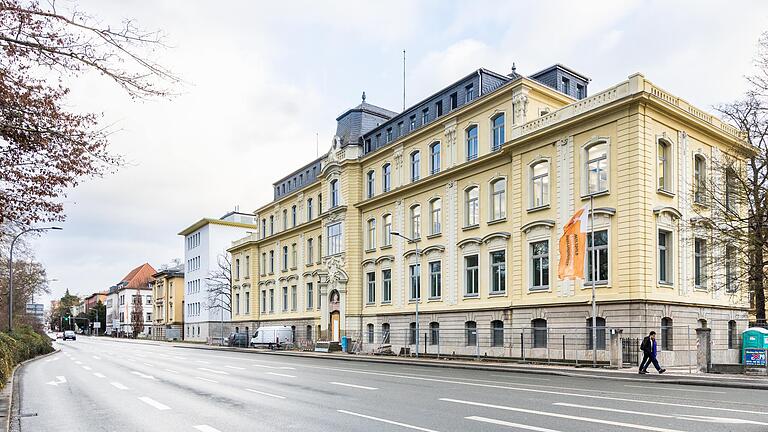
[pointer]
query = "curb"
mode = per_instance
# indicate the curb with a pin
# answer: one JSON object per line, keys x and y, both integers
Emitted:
{"x": 513, "y": 369}
{"x": 8, "y": 394}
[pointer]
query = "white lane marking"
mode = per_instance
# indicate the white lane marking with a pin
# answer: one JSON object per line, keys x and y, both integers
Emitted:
{"x": 564, "y": 416}
{"x": 509, "y": 424}
{"x": 206, "y": 379}
{"x": 205, "y": 428}
{"x": 96, "y": 357}
{"x": 59, "y": 380}
{"x": 149, "y": 364}
{"x": 153, "y": 403}
{"x": 202, "y": 362}
{"x": 99, "y": 375}
{"x": 274, "y": 367}
{"x": 234, "y": 367}
{"x": 503, "y": 387}
{"x": 143, "y": 375}
{"x": 386, "y": 421}
{"x": 265, "y": 393}
{"x": 282, "y": 375}
{"x": 674, "y": 389}
{"x": 119, "y": 386}
{"x": 216, "y": 371}
{"x": 86, "y": 367}
{"x": 171, "y": 371}
{"x": 352, "y": 385}
{"x": 78, "y": 362}
{"x": 672, "y": 416}
{"x": 179, "y": 358}
{"x": 513, "y": 376}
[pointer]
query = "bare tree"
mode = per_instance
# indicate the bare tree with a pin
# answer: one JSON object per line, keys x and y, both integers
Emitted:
{"x": 137, "y": 314}
{"x": 220, "y": 285}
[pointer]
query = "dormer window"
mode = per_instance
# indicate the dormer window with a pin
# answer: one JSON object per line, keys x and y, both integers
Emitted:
{"x": 400, "y": 129}
{"x": 425, "y": 116}
{"x": 438, "y": 109}
{"x": 469, "y": 93}
{"x": 580, "y": 91}
{"x": 389, "y": 135}
{"x": 566, "y": 85}
{"x": 454, "y": 101}
{"x": 413, "y": 123}
{"x": 367, "y": 147}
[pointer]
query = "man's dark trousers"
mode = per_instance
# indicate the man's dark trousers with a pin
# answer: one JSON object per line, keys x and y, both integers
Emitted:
{"x": 648, "y": 358}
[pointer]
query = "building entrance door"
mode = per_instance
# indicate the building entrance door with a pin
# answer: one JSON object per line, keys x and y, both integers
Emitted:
{"x": 335, "y": 329}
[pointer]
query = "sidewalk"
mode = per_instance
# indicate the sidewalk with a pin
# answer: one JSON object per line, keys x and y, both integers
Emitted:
{"x": 626, "y": 374}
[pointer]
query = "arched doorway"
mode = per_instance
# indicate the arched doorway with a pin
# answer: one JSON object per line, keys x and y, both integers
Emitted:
{"x": 335, "y": 322}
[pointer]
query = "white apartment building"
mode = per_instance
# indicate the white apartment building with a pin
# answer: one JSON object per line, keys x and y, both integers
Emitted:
{"x": 205, "y": 247}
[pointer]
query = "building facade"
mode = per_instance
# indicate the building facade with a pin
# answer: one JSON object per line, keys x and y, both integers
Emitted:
{"x": 168, "y": 304}
{"x": 130, "y": 302}
{"x": 485, "y": 174}
{"x": 206, "y": 312}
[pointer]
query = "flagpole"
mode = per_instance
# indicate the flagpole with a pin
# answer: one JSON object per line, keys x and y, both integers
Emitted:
{"x": 594, "y": 265}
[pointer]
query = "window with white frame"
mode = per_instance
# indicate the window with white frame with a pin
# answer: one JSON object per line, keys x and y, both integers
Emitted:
{"x": 271, "y": 300}
{"x": 386, "y": 177}
{"x": 387, "y": 230}
{"x": 309, "y": 209}
{"x": 498, "y": 271}
{"x": 263, "y": 301}
{"x": 539, "y": 265}
{"x": 415, "y": 278}
{"x": 310, "y": 295}
{"x": 285, "y": 258}
{"x": 497, "y": 132}
{"x": 415, "y": 165}
{"x": 435, "y": 280}
{"x": 700, "y": 263}
{"x": 370, "y": 182}
{"x": 371, "y": 233}
{"x": 597, "y": 257}
{"x": 386, "y": 286}
{"x": 264, "y": 263}
{"x": 416, "y": 221}
{"x": 271, "y": 224}
{"x": 472, "y": 145}
{"x": 237, "y": 268}
{"x": 472, "y": 206}
{"x": 471, "y": 276}
{"x": 435, "y": 216}
{"x": 371, "y": 285}
{"x": 665, "y": 257}
{"x": 334, "y": 239}
{"x": 285, "y": 299}
{"x": 434, "y": 158}
{"x": 699, "y": 179}
{"x": 294, "y": 298}
{"x": 499, "y": 199}
{"x": 294, "y": 256}
{"x": 334, "y": 193}
{"x": 271, "y": 261}
{"x": 310, "y": 250}
{"x": 540, "y": 184}
{"x": 596, "y": 167}
{"x": 285, "y": 219}
{"x": 247, "y": 266}
{"x": 294, "y": 216}
{"x": 664, "y": 165}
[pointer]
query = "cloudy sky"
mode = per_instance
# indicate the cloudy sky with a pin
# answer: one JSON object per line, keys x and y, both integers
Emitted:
{"x": 263, "y": 78}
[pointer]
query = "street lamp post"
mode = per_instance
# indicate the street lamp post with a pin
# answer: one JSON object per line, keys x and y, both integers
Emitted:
{"x": 10, "y": 271}
{"x": 418, "y": 288}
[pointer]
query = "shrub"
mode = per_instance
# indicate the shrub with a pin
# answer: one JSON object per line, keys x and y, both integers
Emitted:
{"x": 21, "y": 344}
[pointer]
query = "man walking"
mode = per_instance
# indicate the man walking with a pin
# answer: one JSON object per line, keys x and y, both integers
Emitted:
{"x": 648, "y": 347}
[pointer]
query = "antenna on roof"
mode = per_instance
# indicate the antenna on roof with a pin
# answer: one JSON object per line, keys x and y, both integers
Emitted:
{"x": 403, "y": 80}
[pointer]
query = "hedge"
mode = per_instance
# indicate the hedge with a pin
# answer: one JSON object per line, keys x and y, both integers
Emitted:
{"x": 22, "y": 344}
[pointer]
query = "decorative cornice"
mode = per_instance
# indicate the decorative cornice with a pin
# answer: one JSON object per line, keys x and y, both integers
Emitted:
{"x": 547, "y": 223}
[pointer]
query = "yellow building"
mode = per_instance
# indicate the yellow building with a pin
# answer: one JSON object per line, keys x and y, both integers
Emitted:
{"x": 485, "y": 173}
{"x": 168, "y": 303}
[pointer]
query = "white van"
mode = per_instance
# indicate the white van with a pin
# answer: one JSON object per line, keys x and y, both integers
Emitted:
{"x": 272, "y": 336}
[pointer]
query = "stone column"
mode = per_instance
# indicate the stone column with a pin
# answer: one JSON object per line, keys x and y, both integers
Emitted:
{"x": 704, "y": 349}
{"x": 616, "y": 353}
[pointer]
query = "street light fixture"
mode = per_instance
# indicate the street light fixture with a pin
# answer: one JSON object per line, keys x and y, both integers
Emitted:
{"x": 418, "y": 288}
{"x": 10, "y": 271}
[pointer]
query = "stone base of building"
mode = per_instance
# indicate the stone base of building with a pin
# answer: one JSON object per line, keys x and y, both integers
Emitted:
{"x": 160, "y": 332}
{"x": 207, "y": 331}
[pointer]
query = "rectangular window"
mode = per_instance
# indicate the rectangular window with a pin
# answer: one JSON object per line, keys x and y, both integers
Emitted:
{"x": 285, "y": 258}
{"x": 665, "y": 257}
{"x": 454, "y": 101}
{"x": 436, "y": 218}
{"x": 247, "y": 302}
{"x": 540, "y": 265}
{"x": 387, "y": 230}
{"x": 310, "y": 295}
{"x": 700, "y": 263}
{"x": 389, "y": 135}
{"x": 271, "y": 300}
{"x": 597, "y": 168}
{"x": 371, "y": 234}
{"x": 438, "y": 109}
{"x": 498, "y": 272}
{"x": 580, "y": 93}
{"x": 319, "y": 249}
{"x": 247, "y": 266}
{"x": 310, "y": 251}
{"x": 263, "y": 301}
{"x": 386, "y": 286}
{"x": 598, "y": 255}
{"x": 294, "y": 298}
{"x": 371, "y": 284}
{"x": 386, "y": 177}
{"x": 415, "y": 278}
{"x": 334, "y": 239}
{"x": 435, "y": 280}
{"x": 271, "y": 262}
{"x": 285, "y": 299}
{"x": 470, "y": 93}
{"x": 471, "y": 276}
{"x": 425, "y": 116}
{"x": 566, "y": 86}
{"x": 400, "y": 129}
{"x": 415, "y": 165}
{"x": 370, "y": 184}
{"x": 412, "y": 123}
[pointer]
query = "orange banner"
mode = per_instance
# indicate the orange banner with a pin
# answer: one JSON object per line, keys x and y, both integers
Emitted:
{"x": 573, "y": 246}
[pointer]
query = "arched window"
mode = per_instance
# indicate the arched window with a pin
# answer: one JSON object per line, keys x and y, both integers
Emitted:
{"x": 497, "y": 333}
{"x": 499, "y": 199}
{"x": 539, "y": 330}
{"x": 434, "y": 158}
{"x": 699, "y": 179}
{"x": 309, "y": 209}
{"x": 385, "y": 333}
{"x": 387, "y": 230}
{"x": 435, "y": 216}
{"x": 294, "y": 217}
{"x": 434, "y": 333}
{"x": 334, "y": 193}
{"x": 539, "y": 184}
{"x": 415, "y": 165}
{"x": 416, "y": 221}
{"x": 599, "y": 333}
{"x": 470, "y": 333}
{"x": 370, "y": 333}
{"x": 412, "y": 333}
{"x": 472, "y": 206}
{"x": 386, "y": 177}
{"x": 664, "y": 165}
{"x": 371, "y": 233}
{"x": 596, "y": 167}
{"x": 666, "y": 334}
{"x": 472, "y": 145}
{"x": 497, "y": 128}
{"x": 733, "y": 337}
{"x": 370, "y": 182}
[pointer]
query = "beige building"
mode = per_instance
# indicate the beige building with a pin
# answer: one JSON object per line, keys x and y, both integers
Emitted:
{"x": 168, "y": 303}
{"x": 485, "y": 173}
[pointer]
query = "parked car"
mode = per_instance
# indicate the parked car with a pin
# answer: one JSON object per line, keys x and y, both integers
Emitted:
{"x": 237, "y": 340}
{"x": 69, "y": 334}
{"x": 272, "y": 336}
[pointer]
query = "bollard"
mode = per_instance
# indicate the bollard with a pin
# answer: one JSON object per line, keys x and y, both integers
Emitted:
{"x": 704, "y": 349}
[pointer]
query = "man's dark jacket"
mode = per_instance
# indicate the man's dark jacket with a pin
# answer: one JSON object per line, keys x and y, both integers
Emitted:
{"x": 647, "y": 345}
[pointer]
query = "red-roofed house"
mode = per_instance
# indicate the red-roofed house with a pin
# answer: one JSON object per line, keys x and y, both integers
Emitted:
{"x": 129, "y": 301}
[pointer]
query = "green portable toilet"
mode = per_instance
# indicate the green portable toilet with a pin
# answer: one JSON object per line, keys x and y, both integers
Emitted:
{"x": 754, "y": 344}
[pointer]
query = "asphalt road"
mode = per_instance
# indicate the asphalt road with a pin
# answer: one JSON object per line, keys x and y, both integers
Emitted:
{"x": 107, "y": 385}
